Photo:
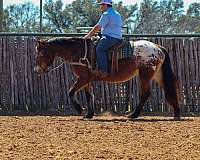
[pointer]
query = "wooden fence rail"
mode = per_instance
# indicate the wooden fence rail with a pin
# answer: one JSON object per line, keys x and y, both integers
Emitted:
{"x": 22, "y": 89}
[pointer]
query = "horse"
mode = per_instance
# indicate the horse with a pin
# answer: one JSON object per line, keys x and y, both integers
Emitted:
{"x": 149, "y": 61}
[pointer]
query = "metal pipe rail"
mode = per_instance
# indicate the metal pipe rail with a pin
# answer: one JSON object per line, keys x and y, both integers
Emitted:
{"x": 82, "y": 34}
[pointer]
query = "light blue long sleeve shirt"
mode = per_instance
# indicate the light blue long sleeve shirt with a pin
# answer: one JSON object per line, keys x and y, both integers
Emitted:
{"x": 111, "y": 23}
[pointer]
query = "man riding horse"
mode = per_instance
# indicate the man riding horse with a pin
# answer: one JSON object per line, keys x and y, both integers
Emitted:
{"x": 151, "y": 62}
{"x": 110, "y": 25}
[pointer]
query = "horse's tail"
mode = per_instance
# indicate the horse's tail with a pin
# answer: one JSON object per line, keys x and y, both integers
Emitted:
{"x": 169, "y": 79}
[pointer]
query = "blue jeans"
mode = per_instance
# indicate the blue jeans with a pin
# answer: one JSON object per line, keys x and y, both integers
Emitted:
{"x": 104, "y": 44}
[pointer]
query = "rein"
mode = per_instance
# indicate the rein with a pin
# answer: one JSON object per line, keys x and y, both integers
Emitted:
{"x": 58, "y": 66}
{"x": 76, "y": 63}
{"x": 84, "y": 58}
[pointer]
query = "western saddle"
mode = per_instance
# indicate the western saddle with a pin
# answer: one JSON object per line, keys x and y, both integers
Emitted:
{"x": 113, "y": 55}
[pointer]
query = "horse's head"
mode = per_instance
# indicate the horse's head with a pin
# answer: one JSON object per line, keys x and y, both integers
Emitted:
{"x": 44, "y": 56}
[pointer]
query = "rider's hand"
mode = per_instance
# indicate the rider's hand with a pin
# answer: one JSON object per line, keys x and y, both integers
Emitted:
{"x": 86, "y": 37}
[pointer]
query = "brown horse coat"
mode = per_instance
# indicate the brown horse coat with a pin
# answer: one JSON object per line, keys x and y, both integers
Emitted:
{"x": 149, "y": 61}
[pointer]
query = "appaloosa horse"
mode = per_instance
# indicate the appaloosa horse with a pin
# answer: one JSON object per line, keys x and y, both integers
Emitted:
{"x": 149, "y": 61}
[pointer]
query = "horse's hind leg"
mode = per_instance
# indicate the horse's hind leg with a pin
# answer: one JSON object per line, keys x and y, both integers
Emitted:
{"x": 89, "y": 96}
{"x": 174, "y": 103}
{"x": 170, "y": 92}
{"x": 79, "y": 84}
{"x": 144, "y": 95}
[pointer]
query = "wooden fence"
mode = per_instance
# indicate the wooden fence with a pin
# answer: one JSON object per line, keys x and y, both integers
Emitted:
{"x": 23, "y": 90}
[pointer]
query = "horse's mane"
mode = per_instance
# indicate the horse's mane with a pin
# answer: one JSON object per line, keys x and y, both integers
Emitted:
{"x": 64, "y": 41}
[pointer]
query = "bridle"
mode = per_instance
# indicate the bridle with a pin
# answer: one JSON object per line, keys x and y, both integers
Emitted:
{"x": 52, "y": 69}
{"x": 75, "y": 63}
{"x": 56, "y": 67}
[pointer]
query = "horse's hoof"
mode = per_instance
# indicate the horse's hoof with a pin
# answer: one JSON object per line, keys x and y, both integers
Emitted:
{"x": 80, "y": 111}
{"x": 133, "y": 116}
{"x": 88, "y": 116}
{"x": 177, "y": 118}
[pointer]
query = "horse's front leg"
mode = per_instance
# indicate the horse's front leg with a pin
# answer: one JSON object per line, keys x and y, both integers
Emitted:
{"x": 78, "y": 85}
{"x": 89, "y": 96}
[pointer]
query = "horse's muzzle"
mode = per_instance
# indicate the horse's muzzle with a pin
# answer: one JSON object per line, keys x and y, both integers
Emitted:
{"x": 38, "y": 69}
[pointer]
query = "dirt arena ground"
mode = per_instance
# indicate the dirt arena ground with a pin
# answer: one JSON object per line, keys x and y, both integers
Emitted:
{"x": 105, "y": 137}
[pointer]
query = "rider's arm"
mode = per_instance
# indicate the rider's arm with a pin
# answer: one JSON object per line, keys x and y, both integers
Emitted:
{"x": 103, "y": 21}
{"x": 95, "y": 29}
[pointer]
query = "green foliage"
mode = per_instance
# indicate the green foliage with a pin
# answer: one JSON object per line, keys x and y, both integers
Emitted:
{"x": 56, "y": 18}
{"x": 86, "y": 13}
{"x": 21, "y": 18}
{"x": 197, "y": 29}
{"x": 128, "y": 14}
{"x": 147, "y": 17}
{"x": 190, "y": 22}
{"x": 194, "y": 13}
{"x": 159, "y": 17}
{"x": 66, "y": 19}
{"x": 164, "y": 16}
{"x": 194, "y": 10}
{"x": 79, "y": 13}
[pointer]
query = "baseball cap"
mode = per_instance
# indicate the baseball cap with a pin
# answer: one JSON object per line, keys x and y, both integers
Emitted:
{"x": 109, "y": 2}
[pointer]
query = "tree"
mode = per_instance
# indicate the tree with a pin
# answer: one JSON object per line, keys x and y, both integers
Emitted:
{"x": 86, "y": 13}
{"x": 80, "y": 13}
{"x": 128, "y": 14}
{"x": 194, "y": 10}
{"x": 56, "y": 19}
{"x": 1, "y": 15}
{"x": 172, "y": 11}
{"x": 190, "y": 22}
{"x": 21, "y": 18}
{"x": 164, "y": 16}
{"x": 147, "y": 17}
{"x": 154, "y": 17}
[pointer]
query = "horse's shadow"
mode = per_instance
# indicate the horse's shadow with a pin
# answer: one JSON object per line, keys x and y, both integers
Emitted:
{"x": 141, "y": 119}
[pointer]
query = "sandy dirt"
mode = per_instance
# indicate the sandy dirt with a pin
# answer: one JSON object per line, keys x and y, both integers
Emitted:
{"x": 105, "y": 137}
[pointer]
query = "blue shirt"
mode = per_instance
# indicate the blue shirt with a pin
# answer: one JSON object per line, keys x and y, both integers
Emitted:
{"x": 111, "y": 23}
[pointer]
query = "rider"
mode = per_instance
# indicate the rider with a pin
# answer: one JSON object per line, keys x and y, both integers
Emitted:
{"x": 110, "y": 25}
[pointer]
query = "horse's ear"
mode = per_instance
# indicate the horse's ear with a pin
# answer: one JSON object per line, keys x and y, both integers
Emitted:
{"x": 37, "y": 39}
{"x": 41, "y": 42}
